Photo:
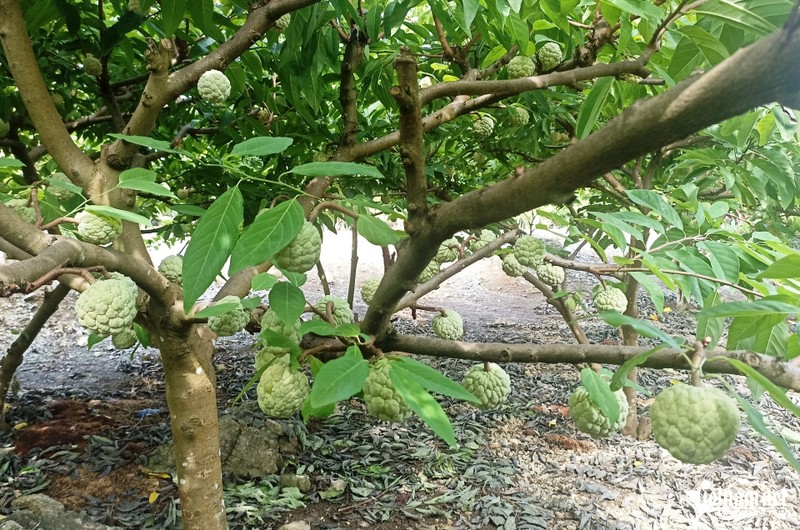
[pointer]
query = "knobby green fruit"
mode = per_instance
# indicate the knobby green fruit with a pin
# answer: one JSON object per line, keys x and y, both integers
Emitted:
{"x": 492, "y": 387}
{"x": 517, "y": 116}
{"x": 303, "y": 252}
{"x": 448, "y": 251}
{"x": 107, "y": 307}
{"x": 483, "y": 126}
{"x": 283, "y": 22}
{"x": 214, "y": 86}
{"x": 98, "y": 229}
{"x": 124, "y": 340}
{"x": 60, "y": 194}
{"x": 449, "y": 326}
{"x": 549, "y": 56}
{"x": 521, "y": 66}
{"x": 552, "y": 275}
{"x": 233, "y": 321}
{"x": 512, "y": 266}
{"x": 529, "y": 251}
{"x": 172, "y": 269}
{"x": 590, "y": 419}
{"x": 21, "y": 207}
{"x": 431, "y": 270}
{"x": 282, "y": 389}
{"x": 369, "y": 288}
{"x": 609, "y": 298}
{"x": 342, "y": 313}
{"x": 382, "y": 399}
{"x": 92, "y": 65}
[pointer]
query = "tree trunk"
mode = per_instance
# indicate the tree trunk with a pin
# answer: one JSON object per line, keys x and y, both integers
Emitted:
{"x": 192, "y": 401}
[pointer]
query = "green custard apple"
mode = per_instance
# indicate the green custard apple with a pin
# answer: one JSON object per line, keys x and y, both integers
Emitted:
{"x": 22, "y": 208}
{"x": 484, "y": 237}
{"x": 448, "y": 251}
{"x": 342, "y": 313}
{"x": 549, "y": 56}
{"x": 214, "y": 86}
{"x": 272, "y": 322}
{"x": 369, "y": 288}
{"x": 60, "y": 194}
{"x": 92, "y": 66}
{"x": 521, "y": 66}
{"x": 517, "y": 117}
{"x": 590, "y": 419}
{"x": 529, "y": 251}
{"x": 609, "y": 298}
{"x": 123, "y": 341}
{"x": 98, "y": 229}
{"x": 697, "y": 425}
{"x": 172, "y": 269}
{"x": 491, "y": 385}
{"x": 283, "y": 22}
{"x": 449, "y": 326}
{"x": 282, "y": 389}
{"x": 430, "y": 270}
{"x": 382, "y": 399}
{"x": 303, "y": 252}
{"x": 134, "y": 289}
{"x": 552, "y": 275}
{"x": 106, "y": 308}
{"x": 512, "y": 267}
{"x": 233, "y": 321}
{"x": 483, "y": 126}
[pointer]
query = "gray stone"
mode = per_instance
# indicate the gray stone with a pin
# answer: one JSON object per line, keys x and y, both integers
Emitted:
{"x": 301, "y": 482}
{"x": 10, "y": 525}
{"x": 297, "y": 525}
{"x": 39, "y": 511}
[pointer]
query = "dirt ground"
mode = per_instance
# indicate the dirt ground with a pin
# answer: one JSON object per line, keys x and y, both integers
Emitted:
{"x": 85, "y": 419}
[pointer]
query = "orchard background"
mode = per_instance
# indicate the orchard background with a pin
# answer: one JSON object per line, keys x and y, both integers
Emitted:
{"x": 663, "y": 138}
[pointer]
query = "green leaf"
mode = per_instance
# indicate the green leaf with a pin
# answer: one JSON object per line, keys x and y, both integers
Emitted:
{"x": 786, "y": 267}
{"x": 333, "y": 169}
{"x": 10, "y": 162}
{"x": 202, "y": 12}
{"x": 141, "y": 179}
{"x": 142, "y": 335}
{"x": 188, "y": 209}
{"x": 710, "y": 327}
{"x": 654, "y": 289}
{"x": 433, "y": 380}
{"x": 144, "y": 141}
{"x": 110, "y": 211}
{"x": 642, "y": 8}
{"x": 263, "y": 281}
{"x": 339, "y": 379}
{"x": 754, "y": 308}
{"x": 768, "y": 334}
{"x": 376, "y": 231}
{"x": 778, "y": 394}
{"x": 423, "y": 404}
{"x": 271, "y": 230}
{"x": 656, "y": 202}
{"x": 310, "y": 411}
{"x": 590, "y": 110}
{"x": 621, "y": 375}
{"x": 600, "y": 392}
{"x": 287, "y": 301}
{"x": 644, "y": 328}
{"x": 215, "y": 310}
{"x": 211, "y": 245}
{"x": 94, "y": 339}
{"x": 279, "y": 340}
{"x": 324, "y": 329}
{"x": 261, "y": 146}
{"x": 172, "y": 15}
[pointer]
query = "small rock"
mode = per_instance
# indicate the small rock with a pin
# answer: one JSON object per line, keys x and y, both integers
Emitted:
{"x": 301, "y": 482}
{"x": 297, "y": 525}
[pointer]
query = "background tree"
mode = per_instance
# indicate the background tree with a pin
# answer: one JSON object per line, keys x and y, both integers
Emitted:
{"x": 649, "y": 108}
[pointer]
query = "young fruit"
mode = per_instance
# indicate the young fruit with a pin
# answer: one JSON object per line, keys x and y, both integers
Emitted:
{"x": 517, "y": 117}
{"x": 449, "y": 326}
{"x": 233, "y": 321}
{"x": 609, "y": 299}
{"x": 214, "y": 86}
{"x": 124, "y": 340}
{"x": 590, "y": 419}
{"x": 491, "y": 387}
{"x": 98, "y": 229}
{"x": 341, "y": 314}
{"x": 382, "y": 399}
{"x": 172, "y": 269}
{"x": 512, "y": 266}
{"x": 529, "y": 251}
{"x": 92, "y": 65}
{"x": 483, "y": 126}
{"x": 549, "y": 56}
{"x": 303, "y": 252}
{"x": 521, "y": 66}
{"x": 107, "y": 307}
{"x": 552, "y": 275}
{"x": 368, "y": 289}
{"x": 282, "y": 389}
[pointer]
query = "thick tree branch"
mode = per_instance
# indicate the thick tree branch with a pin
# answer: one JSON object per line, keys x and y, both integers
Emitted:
{"x": 353, "y": 55}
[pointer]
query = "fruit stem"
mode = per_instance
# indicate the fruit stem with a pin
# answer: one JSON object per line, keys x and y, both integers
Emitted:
{"x": 485, "y": 366}
{"x": 697, "y": 364}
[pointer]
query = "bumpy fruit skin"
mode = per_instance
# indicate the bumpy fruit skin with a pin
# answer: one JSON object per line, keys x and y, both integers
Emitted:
{"x": 449, "y": 326}
{"x": 283, "y": 22}
{"x": 134, "y": 289}
{"x": 484, "y": 238}
{"x": 60, "y": 193}
{"x": 106, "y": 308}
{"x": 303, "y": 252}
{"x": 281, "y": 389}
{"x": 483, "y": 127}
{"x": 521, "y": 66}
{"x": 572, "y": 301}
{"x": 552, "y": 275}
{"x": 98, "y": 229}
{"x": 517, "y": 117}
{"x": 342, "y": 314}
{"x": 368, "y": 289}
{"x": 491, "y": 388}
{"x": 172, "y": 269}
{"x": 214, "y": 86}
{"x": 589, "y": 418}
{"x": 529, "y": 251}
{"x": 696, "y": 425}
{"x": 383, "y": 401}
{"x": 26, "y": 212}
{"x": 124, "y": 340}
{"x": 431, "y": 270}
{"x": 448, "y": 251}
{"x": 609, "y": 299}
{"x": 231, "y": 322}
{"x": 4, "y": 127}
{"x": 272, "y": 322}
{"x": 549, "y": 56}
{"x": 559, "y": 137}
{"x": 92, "y": 66}
{"x": 512, "y": 266}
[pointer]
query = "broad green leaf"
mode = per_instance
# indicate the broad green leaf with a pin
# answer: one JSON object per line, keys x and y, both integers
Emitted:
{"x": 110, "y": 211}
{"x": 711, "y": 327}
{"x": 211, "y": 245}
{"x": 64, "y": 185}
{"x": 376, "y": 231}
{"x": 279, "y": 340}
{"x": 263, "y": 281}
{"x": 310, "y": 411}
{"x": 142, "y": 335}
{"x": 723, "y": 259}
{"x": 644, "y": 328}
{"x": 202, "y": 12}
{"x": 188, "y": 209}
{"x": 786, "y": 267}
{"x": 590, "y": 110}
{"x": 767, "y": 334}
{"x": 217, "y": 309}
{"x": 756, "y": 421}
{"x": 339, "y": 379}
{"x": 642, "y": 8}
{"x": 334, "y": 169}
{"x": 654, "y": 289}
{"x": 261, "y": 146}
{"x": 144, "y": 141}
{"x": 172, "y": 15}
{"x": 777, "y": 393}
{"x": 324, "y": 329}
{"x": 423, "y": 404}
{"x": 113, "y": 34}
{"x": 620, "y": 377}
{"x": 433, "y": 380}
{"x": 141, "y": 179}
{"x": 600, "y": 392}
{"x": 94, "y": 339}
{"x": 271, "y": 230}
{"x": 287, "y": 301}
{"x": 656, "y": 202}
{"x": 10, "y": 162}
{"x": 756, "y": 308}
{"x": 708, "y": 45}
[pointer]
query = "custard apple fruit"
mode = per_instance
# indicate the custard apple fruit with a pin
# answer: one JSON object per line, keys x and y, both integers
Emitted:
{"x": 529, "y": 251}
{"x": 609, "y": 299}
{"x": 549, "y": 56}
{"x": 483, "y": 238}
{"x": 214, "y": 86}
{"x": 126, "y": 280}
{"x": 282, "y": 390}
{"x": 26, "y": 212}
{"x": 172, "y": 269}
{"x": 106, "y": 308}
{"x": 559, "y": 137}
{"x": 517, "y": 117}
{"x": 448, "y": 251}
{"x": 449, "y": 326}
{"x": 697, "y": 425}
{"x": 233, "y": 321}
{"x": 4, "y": 127}
{"x": 368, "y": 289}
{"x": 590, "y": 419}
{"x": 124, "y": 340}
{"x": 512, "y": 266}
{"x": 269, "y": 355}
{"x": 483, "y": 126}
{"x": 491, "y": 386}
{"x": 431, "y": 270}
{"x": 342, "y": 314}
{"x": 283, "y": 22}
{"x": 272, "y": 322}
{"x": 382, "y": 400}
{"x": 98, "y": 229}
{"x": 303, "y": 252}
{"x": 60, "y": 194}
{"x": 521, "y": 66}
{"x": 573, "y": 301}
{"x": 552, "y": 275}
{"x": 92, "y": 66}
